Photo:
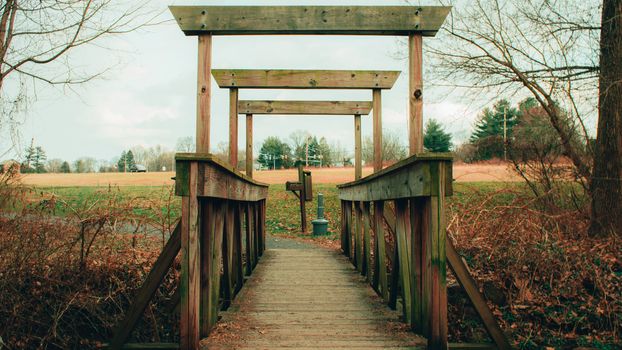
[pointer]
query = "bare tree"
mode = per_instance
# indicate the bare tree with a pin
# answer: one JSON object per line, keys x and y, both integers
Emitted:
{"x": 185, "y": 144}
{"x": 548, "y": 49}
{"x": 38, "y": 36}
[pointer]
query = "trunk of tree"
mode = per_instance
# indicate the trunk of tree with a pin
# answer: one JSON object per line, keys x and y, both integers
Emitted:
{"x": 606, "y": 184}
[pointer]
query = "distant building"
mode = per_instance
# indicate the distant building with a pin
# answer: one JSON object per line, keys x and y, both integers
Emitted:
{"x": 10, "y": 166}
{"x": 138, "y": 168}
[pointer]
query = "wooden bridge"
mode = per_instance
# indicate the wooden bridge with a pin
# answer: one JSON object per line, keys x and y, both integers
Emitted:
{"x": 388, "y": 287}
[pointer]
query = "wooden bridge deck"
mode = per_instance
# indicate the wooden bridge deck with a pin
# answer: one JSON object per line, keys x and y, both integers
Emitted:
{"x": 309, "y": 298}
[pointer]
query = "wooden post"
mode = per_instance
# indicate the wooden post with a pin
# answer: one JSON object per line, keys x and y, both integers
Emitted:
{"x": 204, "y": 93}
{"x": 233, "y": 127}
{"x": 436, "y": 233}
{"x": 250, "y": 255}
{"x": 377, "y": 130}
{"x": 380, "y": 249}
{"x": 402, "y": 228}
{"x": 358, "y": 159}
{"x": 249, "y": 145}
{"x": 190, "y": 283}
{"x": 415, "y": 83}
{"x": 207, "y": 251}
{"x": 365, "y": 209}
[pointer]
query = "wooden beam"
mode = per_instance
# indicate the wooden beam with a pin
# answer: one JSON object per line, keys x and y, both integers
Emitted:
{"x": 305, "y": 107}
{"x": 147, "y": 290}
{"x": 408, "y": 178}
{"x": 190, "y": 282}
{"x": 249, "y": 145}
{"x": 218, "y": 180}
{"x": 233, "y": 127}
{"x": 466, "y": 281}
{"x": 377, "y": 129}
{"x": 146, "y": 346}
{"x": 204, "y": 93}
{"x": 415, "y": 99}
{"x": 358, "y": 157}
{"x": 304, "y": 79}
{"x": 354, "y": 20}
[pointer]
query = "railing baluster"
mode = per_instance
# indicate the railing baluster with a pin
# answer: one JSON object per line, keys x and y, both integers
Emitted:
{"x": 380, "y": 251}
{"x": 365, "y": 208}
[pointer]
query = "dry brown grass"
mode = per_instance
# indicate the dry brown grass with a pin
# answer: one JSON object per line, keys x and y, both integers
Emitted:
{"x": 462, "y": 173}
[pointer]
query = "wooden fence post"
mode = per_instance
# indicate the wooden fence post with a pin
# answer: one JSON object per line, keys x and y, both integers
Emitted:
{"x": 377, "y": 129}
{"x": 204, "y": 93}
{"x": 358, "y": 160}
{"x": 233, "y": 127}
{"x": 415, "y": 93}
{"x": 249, "y": 145}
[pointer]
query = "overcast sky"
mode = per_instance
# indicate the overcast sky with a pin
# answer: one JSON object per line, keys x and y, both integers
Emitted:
{"x": 149, "y": 96}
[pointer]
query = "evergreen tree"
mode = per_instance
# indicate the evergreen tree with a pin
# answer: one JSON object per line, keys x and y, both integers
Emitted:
{"x": 131, "y": 163}
{"x": 435, "y": 138}
{"x": 122, "y": 162}
{"x": 65, "y": 168}
{"x": 38, "y": 160}
{"x": 488, "y": 136}
{"x": 274, "y": 153}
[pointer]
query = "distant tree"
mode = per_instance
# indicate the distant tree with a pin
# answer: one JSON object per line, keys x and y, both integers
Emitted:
{"x": 339, "y": 153}
{"x": 65, "y": 168}
{"x": 84, "y": 165}
{"x": 131, "y": 162}
{"x": 53, "y": 165}
{"x": 393, "y": 149}
{"x": 274, "y": 153}
{"x": 39, "y": 160}
{"x": 435, "y": 139}
{"x": 121, "y": 162}
{"x": 324, "y": 151}
{"x": 490, "y": 128}
{"x": 185, "y": 144}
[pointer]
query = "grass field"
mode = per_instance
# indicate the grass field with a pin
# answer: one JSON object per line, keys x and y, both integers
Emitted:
{"x": 462, "y": 173}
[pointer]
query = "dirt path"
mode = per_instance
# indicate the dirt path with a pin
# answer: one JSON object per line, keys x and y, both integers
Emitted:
{"x": 462, "y": 173}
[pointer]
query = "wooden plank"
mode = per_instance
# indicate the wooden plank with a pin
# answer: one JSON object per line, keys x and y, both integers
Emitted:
{"x": 365, "y": 209}
{"x": 381, "y": 252}
{"x": 304, "y": 107}
{"x": 437, "y": 332}
{"x": 358, "y": 241}
{"x": 207, "y": 247}
{"x": 312, "y": 20}
{"x": 304, "y": 79}
{"x": 204, "y": 93}
{"x": 250, "y": 256}
{"x": 415, "y": 88}
{"x": 467, "y": 282}
{"x": 377, "y": 129}
{"x": 263, "y": 225}
{"x": 233, "y": 127}
{"x": 227, "y": 254}
{"x": 358, "y": 157}
{"x": 249, "y": 145}
{"x": 412, "y": 175}
{"x": 419, "y": 214}
{"x": 218, "y": 179}
{"x": 190, "y": 282}
{"x": 147, "y": 290}
{"x": 348, "y": 218}
{"x": 216, "y": 263}
{"x": 237, "y": 248}
{"x": 401, "y": 223}
{"x": 146, "y": 346}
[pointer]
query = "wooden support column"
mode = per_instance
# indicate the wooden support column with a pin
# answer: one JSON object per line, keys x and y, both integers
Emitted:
{"x": 377, "y": 130}
{"x": 249, "y": 145}
{"x": 415, "y": 83}
{"x": 233, "y": 127}
{"x": 358, "y": 159}
{"x": 204, "y": 93}
{"x": 402, "y": 228}
{"x": 436, "y": 250}
{"x": 380, "y": 250}
{"x": 190, "y": 283}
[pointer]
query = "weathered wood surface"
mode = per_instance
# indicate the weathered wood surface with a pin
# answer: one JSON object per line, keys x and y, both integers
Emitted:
{"x": 204, "y": 93}
{"x": 309, "y": 299}
{"x": 415, "y": 96}
{"x": 304, "y": 79}
{"x": 408, "y": 178}
{"x": 233, "y": 127}
{"x": 355, "y": 20}
{"x": 377, "y": 129}
{"x": 304, "y": 107}
{"x": 217, "y": 179}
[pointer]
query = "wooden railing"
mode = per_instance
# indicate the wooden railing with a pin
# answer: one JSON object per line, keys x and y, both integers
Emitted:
{"x": 407, "y": 199}
{"x": 221, "y": 236}
{"x": 393, "y": 229}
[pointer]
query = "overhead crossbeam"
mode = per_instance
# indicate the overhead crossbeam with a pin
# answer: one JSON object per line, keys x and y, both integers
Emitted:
{"x": 336, "y": 20}
{"x": 304, "y": 79}
{"x": 304, "y": 107}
